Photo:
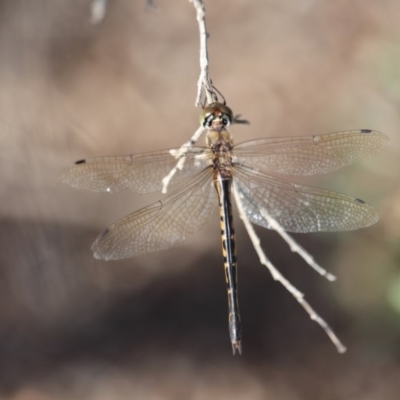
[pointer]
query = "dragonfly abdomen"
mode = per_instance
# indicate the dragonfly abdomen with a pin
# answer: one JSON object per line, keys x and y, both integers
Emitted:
{"x": 223, "y": 187}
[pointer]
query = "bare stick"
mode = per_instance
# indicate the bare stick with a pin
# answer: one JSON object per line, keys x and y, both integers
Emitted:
{"x": 280, "y": 278}
{"x": 204, "y": 83}
{"x": 180, "y": 155}
{"x": 296, "y": 248}
{"x": 98, "y": 11}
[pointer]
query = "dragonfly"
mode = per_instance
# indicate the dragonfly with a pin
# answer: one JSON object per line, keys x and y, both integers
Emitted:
{"x": 207, "y": 179}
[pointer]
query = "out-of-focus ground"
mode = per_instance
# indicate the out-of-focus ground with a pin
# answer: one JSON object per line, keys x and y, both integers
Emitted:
{"x": 155, "y": 327}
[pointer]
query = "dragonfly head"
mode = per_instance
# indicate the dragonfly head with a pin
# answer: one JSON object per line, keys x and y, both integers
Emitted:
{"x": 216, "y": 117}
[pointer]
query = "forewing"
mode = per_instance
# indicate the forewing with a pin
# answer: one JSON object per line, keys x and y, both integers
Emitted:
{"x": 299, "y": 208}
{"x": 309, "y": 155}
{"x": 160, "y": 225}
{"x": 141, "y": 173}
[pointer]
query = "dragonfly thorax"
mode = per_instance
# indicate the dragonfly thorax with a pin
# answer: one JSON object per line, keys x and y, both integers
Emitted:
{"x": 220, "y": 144}
{"x": 219, "y": 140}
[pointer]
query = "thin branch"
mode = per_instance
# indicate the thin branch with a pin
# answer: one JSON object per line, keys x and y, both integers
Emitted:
{"x": 296, "y": 248}
{"x": 180, "y": 154}
{"x": 204, "y": 83}
{"x": 280, "y": 278}
{"x": 98, "y": 10}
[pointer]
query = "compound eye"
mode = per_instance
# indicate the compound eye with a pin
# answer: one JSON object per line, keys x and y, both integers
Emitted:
{"x": 225, "y": 121}
{"x": 208, "y": 121}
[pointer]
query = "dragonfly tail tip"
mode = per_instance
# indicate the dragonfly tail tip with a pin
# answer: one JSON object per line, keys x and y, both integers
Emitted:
{"x": 237, "y": 346}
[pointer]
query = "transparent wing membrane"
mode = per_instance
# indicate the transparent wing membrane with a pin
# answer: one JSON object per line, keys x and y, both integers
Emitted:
{"x": 299, "y": 208}
{"x": 141, "y": 173}
{"x": 177, "y": 216}
{"x": 309, "y": 155}
{"x": 161, "y": 225}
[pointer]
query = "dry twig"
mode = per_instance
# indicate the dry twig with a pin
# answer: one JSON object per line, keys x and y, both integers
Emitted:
{"x": 205, "y": 85}
{"x": 98, "y": 10}
{"x": 277, "y": 275}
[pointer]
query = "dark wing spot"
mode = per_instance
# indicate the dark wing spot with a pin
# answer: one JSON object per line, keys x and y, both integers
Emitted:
{"x": 360, "y": 201}
{"x": 80, "y": 162}
{"x": 105, "y": 232}
{"x": 366, "y": 131}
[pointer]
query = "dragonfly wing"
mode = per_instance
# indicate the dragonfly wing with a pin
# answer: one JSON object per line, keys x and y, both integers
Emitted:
{"x": 299, "y": 208}
{"x": 141, "y": 173}
{"x": 309, "y": 155}
{"x": 160, "y": 225}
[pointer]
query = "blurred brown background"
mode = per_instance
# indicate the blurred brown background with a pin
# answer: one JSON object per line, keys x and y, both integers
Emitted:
{"x": 155, "y": 327}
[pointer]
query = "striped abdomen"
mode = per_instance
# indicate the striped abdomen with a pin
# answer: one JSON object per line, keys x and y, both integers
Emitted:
{"x": 223, "y": 187}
